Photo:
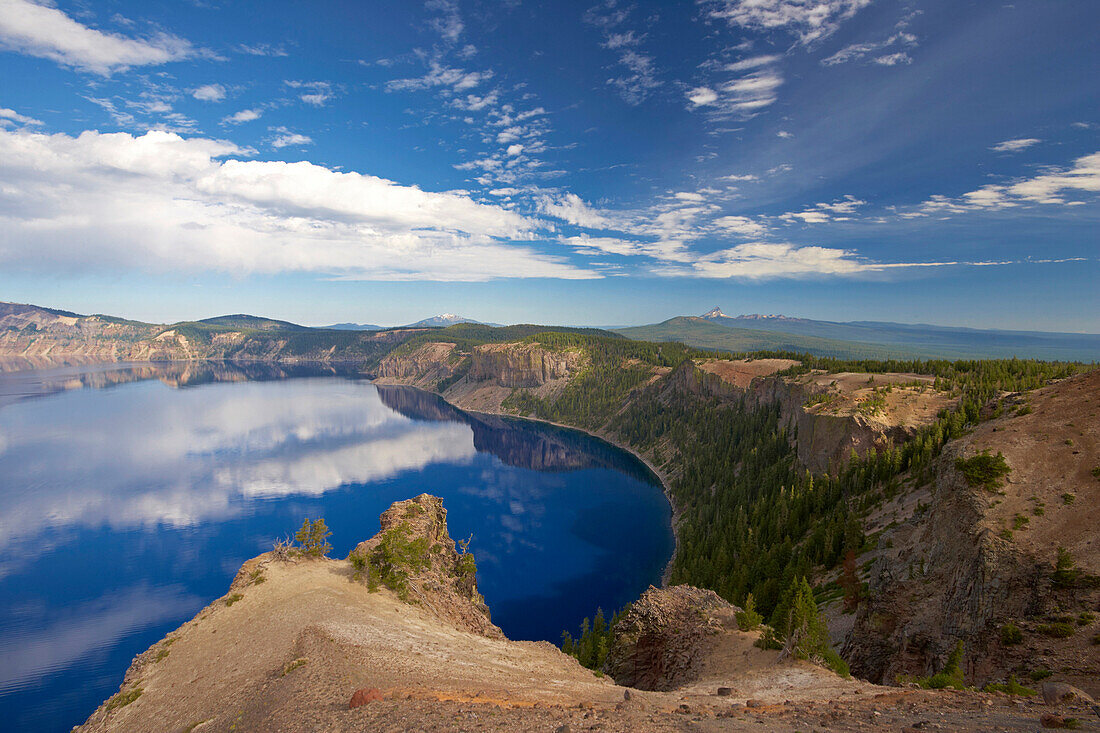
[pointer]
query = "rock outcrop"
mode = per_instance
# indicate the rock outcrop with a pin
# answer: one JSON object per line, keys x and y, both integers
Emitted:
{"x": 414, "y": 543}
{"x": 664, "y": 639}
{"x": 425, "y": 366}
{"x": 522, "y": 364}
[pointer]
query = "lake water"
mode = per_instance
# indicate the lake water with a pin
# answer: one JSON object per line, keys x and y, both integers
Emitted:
{"x": 130, "y": 496}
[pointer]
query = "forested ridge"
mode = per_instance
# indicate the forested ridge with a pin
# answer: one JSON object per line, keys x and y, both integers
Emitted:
{"x": 752, "y": 519}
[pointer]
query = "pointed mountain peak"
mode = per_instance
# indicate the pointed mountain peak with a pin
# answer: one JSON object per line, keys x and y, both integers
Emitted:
{"x": 714, "y": 312}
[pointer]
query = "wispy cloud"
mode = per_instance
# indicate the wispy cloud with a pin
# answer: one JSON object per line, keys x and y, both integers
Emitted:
{"x": 1014, "y": 146}
{"x": 743, "y": 96}
{"x": 865, "y": 51}
{"x": 641, "y": 77}
{"x": 809, "y": 20}
{"x": 47, "y": 32}
{"x": 1065, "y": 186}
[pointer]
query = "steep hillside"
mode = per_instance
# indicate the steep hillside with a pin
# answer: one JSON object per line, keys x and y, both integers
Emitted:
{"x": 397, "y": 638}
{"x": 971, "y": 556}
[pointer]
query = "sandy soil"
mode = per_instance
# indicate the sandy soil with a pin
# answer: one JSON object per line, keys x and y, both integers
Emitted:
{"x": 741, "y": 372}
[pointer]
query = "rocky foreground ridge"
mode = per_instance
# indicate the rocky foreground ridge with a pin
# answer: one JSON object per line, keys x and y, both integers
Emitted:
{"x": 304, "y": 644}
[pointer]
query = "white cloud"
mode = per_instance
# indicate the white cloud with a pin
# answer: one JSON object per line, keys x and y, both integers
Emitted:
{"x": 762, "y": 260}
{"x": 700, "y": 96}
{"x": 316, "y": 93}
{"x": 438, "y": 75}
{"x": 286, "y": 138}
{"x": 514, "y": 150}
{"x": 163, "y": 202}
{"x": 826, "y": 212}
{"x": 209, "y": 93}
{"x": 262, "y": 49}
{"x": 743, "y": 96}
{"x": 858, "y": 51}
{"x": 753, "y": 62}
{"x": 573, "y": 209}
{"x": 810, "y": 20}
{"x": 245, "y": 115}
{"x": 894, "y": 59}
{"x": 10, "y": 116}
{"x": 740, "y": 225}
{"x": 784, "y": 134}
{"x": 1013, "y": 146}
{"x": 1053, "y": 187}
{"x": 45, "y": 31}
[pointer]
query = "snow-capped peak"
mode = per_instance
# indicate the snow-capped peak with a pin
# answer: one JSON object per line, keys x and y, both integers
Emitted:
{"x": 714, "y": 312}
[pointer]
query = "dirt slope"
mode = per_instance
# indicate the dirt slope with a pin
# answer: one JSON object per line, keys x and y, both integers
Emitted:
{"x": 295, "y": 641}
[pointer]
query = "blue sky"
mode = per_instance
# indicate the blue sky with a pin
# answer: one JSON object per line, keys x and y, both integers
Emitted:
{"x": 555, "y": 162}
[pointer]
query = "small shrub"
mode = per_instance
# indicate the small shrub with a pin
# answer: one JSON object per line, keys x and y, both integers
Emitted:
{"x": 1010, "y": 687}
{"x": 1096, "y": 472}
{"x": 951, "y": 676}
{"x": 413, "y": 510}
{"x": 1085, "y": 618}
{"x": 1065, "y": 570}
{"x": 1056, "y": 629}
{"x": 1037, "y": 675}
{"x": 291, "y": 666}
{"x": 1019, "y": 522}
{"x": 123, "y": 699}
{"x": 749, "y": 619}
{"x": 395, "y": 559}
{"x": 1068, "y": 498}
{"x": 233, "y": 599}
{"x": 257, "y": 576}
{"x": 1096, "y": 640}
{"x": 1011, "y": 634}
{"x": 984, "y": 470}
{"x": 313, "y": 537}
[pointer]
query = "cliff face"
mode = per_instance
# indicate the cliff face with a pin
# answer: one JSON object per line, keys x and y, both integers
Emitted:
{"x": 521, "y": 365}
{"x": 826, "y": 431}
{"x": 424, "y": 367}
{"x": 958, "y": 562}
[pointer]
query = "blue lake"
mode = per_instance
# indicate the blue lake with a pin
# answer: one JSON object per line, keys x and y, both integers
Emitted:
{"x": 130, "y": 496}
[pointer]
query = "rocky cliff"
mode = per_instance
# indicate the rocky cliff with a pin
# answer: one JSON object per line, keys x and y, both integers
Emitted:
{"x": 828, "y": 415}
{"x": 957, "y": 561}
{"x": 521, "y": 365}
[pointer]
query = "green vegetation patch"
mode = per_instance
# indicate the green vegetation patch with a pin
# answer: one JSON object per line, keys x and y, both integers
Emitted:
{"x": 233, "y": 599}
{"x": 123, "y": 699}
{"x": 1010, "y": 687}
{"x": 590, "y": 648}
{"x": 1056, "y": 629}
{"x": 984, "y": 471}
{"x": 296, "y": 664}
{"x": 393, "y": 560}
{"x": 1011, "y": 634}
{"x": 951, "y": 676}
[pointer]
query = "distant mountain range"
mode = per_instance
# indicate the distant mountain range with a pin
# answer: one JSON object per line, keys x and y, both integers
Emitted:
{"x": 352, "y": 327}
{"x": 865, "y": 339}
